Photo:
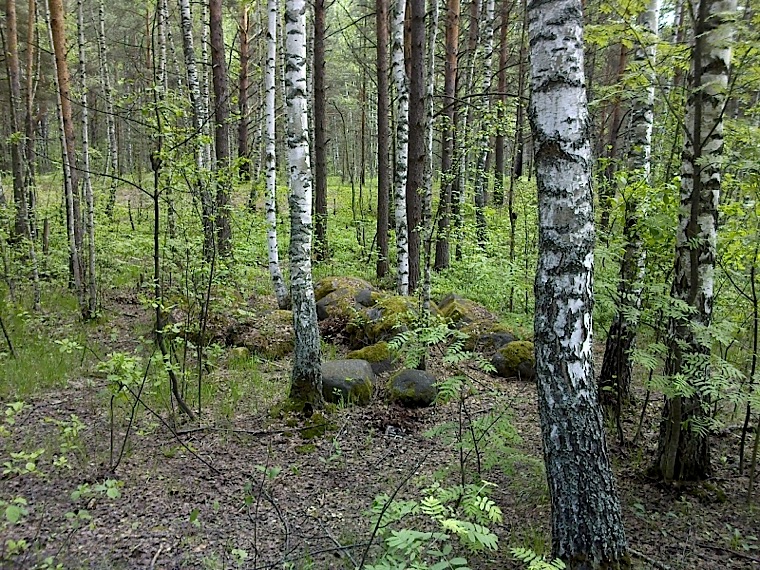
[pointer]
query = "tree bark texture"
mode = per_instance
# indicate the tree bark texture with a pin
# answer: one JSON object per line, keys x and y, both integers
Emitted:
{"x": 683, "y": 451}
{"x": 112, "y": 162}
{"x": 320, "y": 131}
{"x": 383, "y": 137}
{"x": 587, "y": 525}
{"x": 220, "y": 79}
{"x": 306, "y": 380}
{"x": 280, "y": 291}
{"x": 244, "y": 168}
{"x": 402, "y": 146}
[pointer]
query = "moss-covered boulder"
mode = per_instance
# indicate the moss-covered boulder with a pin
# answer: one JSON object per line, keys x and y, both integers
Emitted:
{"x": 487, "y": 343}
{"x": 516, "y": 360}
{"x": 389, "y": 315}
{"x": 269, "y": 334}
{"x": 347, "y": 381}
{"x": 327, "y": 285}
{"x": 340, "y": 304}
{"x": 412, "y": 388}
{"x": 461, "y": 311}
{"x": 378, "y": 355}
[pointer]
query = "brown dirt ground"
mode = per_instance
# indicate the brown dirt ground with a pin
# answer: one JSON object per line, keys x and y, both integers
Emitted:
{"x": 183, "y": 502}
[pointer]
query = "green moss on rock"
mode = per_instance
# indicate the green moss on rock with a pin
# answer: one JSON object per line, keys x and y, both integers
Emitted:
{"x": 374, "y": 353}
{"x": 517, "y": 359}
{"x": 327, "y": 285}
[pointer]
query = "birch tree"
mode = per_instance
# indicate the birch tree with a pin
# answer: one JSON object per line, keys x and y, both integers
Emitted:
{"x": 402, "y": 146}
{"x": 92, "y": 290}
{"x": 683, "y": 451}
{"x": 615, "y": 378}
{"x": 280, "y": 291}
{"x": 587, "y": 525}
{"x": 306, "y": 379}
{"x": 244, "y": 169}
{"x": 427, "y": 179}
{"x": 112, "y": 160}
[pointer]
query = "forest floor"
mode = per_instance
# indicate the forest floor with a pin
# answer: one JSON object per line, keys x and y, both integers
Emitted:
{"x": 245, "y": 490}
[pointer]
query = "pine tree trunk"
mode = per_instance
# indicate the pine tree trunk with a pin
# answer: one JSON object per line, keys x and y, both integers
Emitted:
{"x": 320, "y": 132}
{"x": 615, "y": 378}
{"x": 280, "y": 291}
{"x": 220, "y": 80}
{"x": 244, "y": 168}
{"x": 92, "y": 290}
{"x": 57, "y": 28}
{"x": 587, "y": 525}
{"x": 448, "y": 136}
{"x": 306, "y": 380}
{"x": 383, "y": 137}
{"x": 402, "y": 146}
{"x": 683, "y": 451}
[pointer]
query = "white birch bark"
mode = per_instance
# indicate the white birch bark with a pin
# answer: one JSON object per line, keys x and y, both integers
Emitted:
{"x": 112, "y": 162}
{"x": 587, "y": 525}
{"x": 402, "y": 145}
{"x": 684, "y": 452}
{"x": 306, "y": 379}
{"x": 280, "y": 291}
{"x": 92, "y": 291}
{"x": 483, "y": 136}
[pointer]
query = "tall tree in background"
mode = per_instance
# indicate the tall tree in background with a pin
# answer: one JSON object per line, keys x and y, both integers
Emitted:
{"x": 306, "y": 380}
{"x": 501, "y": 97}
{"x": 417, "y": 142}
{"x": 112, "y": 161}
{"x": 483, "y": 137}
{"x": 615, "y": 377}
{"x": 683, "y": 451}
{"x": 402, "y": 146}
{"x": 220, "y": 80}
{"x": 448, "y": 135}
{"x": 244, "y": 152}
{"x": 280, "y": 291}
{"x": 320, "y": 131}
{"x": 383, "y": 137}
{"x": 587, "y": 524}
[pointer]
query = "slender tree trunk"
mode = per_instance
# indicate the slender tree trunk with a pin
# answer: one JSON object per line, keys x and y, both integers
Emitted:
{"x": 221, "y": 129}
{"x": 499, "y": 168}
{"x": 244, "y": 169}
{"x": 448, "y": 141}
{"x": 30, "y": 120}
{"x": 280, "y": 291}
{"x": 483, "y": 136}
{"x": 320, "y": 132}
{"x": 417, "y": 143}
{"x": 92, "y": 290}
{"x": 74, "y": 224}
{"x": 383, "y": 137}
{"x": 306, "y": 380}
{"x": 587, "y": 524}
{"x": 200, "y": 127}
{"x": 112, "y": 162}
{"x": 16, "y": 141}
{"x": 402, "y": 146}
{"x": 683, "y": 452}
{"x": 615, "y": 378}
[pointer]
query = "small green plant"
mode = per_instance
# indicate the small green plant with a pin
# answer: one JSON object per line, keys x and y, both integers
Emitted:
{"x": 22, "y": 463}
{"x": 12, "y": 410}
{"x": 69, "y": 439}
{"x": 535, "y": 561}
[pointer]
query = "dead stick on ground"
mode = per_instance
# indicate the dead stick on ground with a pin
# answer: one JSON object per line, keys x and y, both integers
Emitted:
{"x": 648, "y": 559}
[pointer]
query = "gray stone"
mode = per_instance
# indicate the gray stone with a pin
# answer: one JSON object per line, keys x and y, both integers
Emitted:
{"x": 413, "y": 388}
{"x": 515, "y": 360}
{"x": 347, "y": 381}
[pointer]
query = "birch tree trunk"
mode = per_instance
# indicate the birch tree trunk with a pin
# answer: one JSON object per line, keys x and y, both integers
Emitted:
{"x": 112, "y": 162}
{"x": 383, "y": 137}
{"x": 683, "y": 451}
{"x": 244, "y": 168}
{"x": 499, "y": 167}
{"x": 615, "y": 378}
{"x": 587, "y": 525}
{"x": 320, "y": 131}
{"x": 221, "y": 129}
{"x": 280, "y": 291}
{"x": 200, "y": 128}
{"x": 448, "y": 135}
{"x": 306, "y": 380}
{"x": 92, "y": 290}
{"x": 483, "y": 136}
{"x": 402, "y": 146}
